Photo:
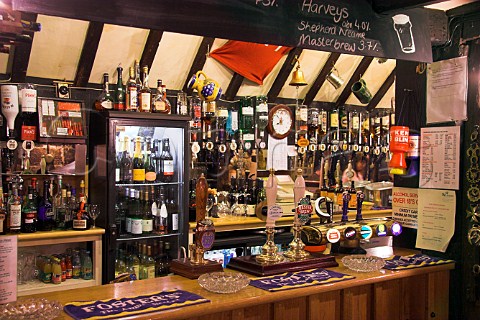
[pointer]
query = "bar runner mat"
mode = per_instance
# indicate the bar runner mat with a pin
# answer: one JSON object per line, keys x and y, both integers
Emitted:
{"x": 117, "y": 308}
{"x": 413, "y": 261}
{"x": 292, "y": 280}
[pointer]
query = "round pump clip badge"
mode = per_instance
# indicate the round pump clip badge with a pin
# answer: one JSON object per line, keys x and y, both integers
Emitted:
{"x": 366, "y": 232}
{"x": 381, "y": 230}
{"x": 333, "y": 235}
{"x": 396, "y": 228}
{"x": 350, "y": 233}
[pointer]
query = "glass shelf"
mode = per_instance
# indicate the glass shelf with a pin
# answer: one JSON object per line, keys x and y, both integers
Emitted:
{"x": 128, "y": 237}
{"x": 147, "y": 184}
{"x": 42, "y": 175}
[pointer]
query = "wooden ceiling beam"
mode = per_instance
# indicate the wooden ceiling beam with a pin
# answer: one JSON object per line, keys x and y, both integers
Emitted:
{"x": 321, "y": 78}
{"x": 199, "y": 60}
{"x": 89, "y": 51}
{"x": 361, "y": 68}
{"x": 233, "y": 87}
{"x": 382, "y": 91}
{"x": 283, "y": 74}
{"x": 18, "y": 61}
{"x": 151, "y": 47}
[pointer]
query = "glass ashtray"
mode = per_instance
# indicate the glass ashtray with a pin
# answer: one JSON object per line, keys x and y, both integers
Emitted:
{"x": 363, "y": 263}
{"x": 223, "y": 282}
{"x": 31, "y": 309}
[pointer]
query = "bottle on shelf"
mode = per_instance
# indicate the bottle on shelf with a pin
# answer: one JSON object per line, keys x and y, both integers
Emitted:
{"x": 119, "y": 91}
{"x": 145, "y": 94}
{"x": 138, "y": 82}
{"x": 138, "y": 167}
{"x": 120, "y": 265}
{"x": 160, "y": 102}
{"x": 59, "y": 208}
{"x": 29, "y": 213}
{"x": 147, "y": 216}
{"x": 81, "y": 221}
{"x": 160, "y": 263}
{"x": 150, "y": 170}
{"x": 167, "y": 164}
{"x": 131, "y": 99}
{"x": 182, "y": 105}
{"x": 105, "y": 100}
{"x": 87, "y": 267}
{"x": 136, "y": 216}
{"x": 173, "y": 211}
{"x": 15, "y": 211}
{"x": 161, "y": 222}
{"x": 133, "y": 261}
{"x": 46, "y": 220}
{"x": 149, "y": 264}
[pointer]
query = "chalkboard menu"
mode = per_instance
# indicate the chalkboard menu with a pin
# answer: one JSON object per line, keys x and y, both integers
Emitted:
{"x": 337, "y": 26}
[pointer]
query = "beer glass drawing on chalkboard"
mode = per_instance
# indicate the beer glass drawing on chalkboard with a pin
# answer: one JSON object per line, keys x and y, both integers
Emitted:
{"x": 403, "y": 27}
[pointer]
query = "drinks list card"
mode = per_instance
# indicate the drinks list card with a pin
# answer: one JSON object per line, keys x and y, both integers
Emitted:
{"x": 8, "y": 269}
{"x": 440, "y": 158}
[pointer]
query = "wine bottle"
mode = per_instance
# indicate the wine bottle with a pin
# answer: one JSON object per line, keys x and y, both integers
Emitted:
{"x": 138, "y": 167}
{"x": 136, "y": 216}
{"x": 119, "y": 91}
{"x": 147, "y": 217}
{"x": 167, "y": 165}
{"x": 173, "y": 211}
{"x": 161, "y": 222}
{"x": 150, "y": 172}
{"x": 104, "y": 101}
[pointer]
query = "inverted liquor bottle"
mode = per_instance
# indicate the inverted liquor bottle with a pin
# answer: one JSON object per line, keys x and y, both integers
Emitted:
{"x": 10, "y": 108}
{"x": 104, "y": 101}
{"x": 247, "y": 124}
{"x": 29, "y": 117}
{"x": 119, "y": 91}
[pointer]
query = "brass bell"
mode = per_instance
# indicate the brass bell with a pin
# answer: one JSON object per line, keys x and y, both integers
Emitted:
{"x": 297, "y": 78}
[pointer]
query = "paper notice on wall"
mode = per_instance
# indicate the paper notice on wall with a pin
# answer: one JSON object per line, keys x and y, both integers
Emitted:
{"x": 436, "y": 219}
{"x": 277, "y": 157}
{"x": 8, "y": 269}
{"x": 405, "y": 206}
{"x": 440, "y": 157}
{"x": 447, "y": 90}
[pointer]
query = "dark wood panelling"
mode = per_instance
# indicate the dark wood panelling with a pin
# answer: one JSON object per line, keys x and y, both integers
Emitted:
{"x": 150, "y": 49}
{"x": 382, "y": 91}
{"x": 284, "y": 73}
{"x": 199, "y": 60}
{"x": 89, "y": 51}
{"x": 321, "y": 78}
{"x": 233, "y": 86}
{"x": 21, "y": 55}
{"x": 361, "y": 68}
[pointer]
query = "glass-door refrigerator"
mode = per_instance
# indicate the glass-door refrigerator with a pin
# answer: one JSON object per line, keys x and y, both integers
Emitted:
{"x": 138, "y": 168}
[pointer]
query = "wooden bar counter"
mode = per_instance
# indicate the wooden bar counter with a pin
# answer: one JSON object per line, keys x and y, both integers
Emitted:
{"x": 419, "y": 293}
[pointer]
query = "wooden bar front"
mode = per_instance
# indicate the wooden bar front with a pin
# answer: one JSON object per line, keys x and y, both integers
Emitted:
{"x": 420, "y": 293}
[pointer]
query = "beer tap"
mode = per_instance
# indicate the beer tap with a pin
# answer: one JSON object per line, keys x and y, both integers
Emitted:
{"x": 360, "y": 198}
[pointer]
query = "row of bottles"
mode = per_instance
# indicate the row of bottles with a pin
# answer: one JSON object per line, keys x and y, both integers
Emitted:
{"x": 141, "y": 160}
{"x": 140, "y": 261}
{"x": 29, "y": 212}
{"x": 147, "y": 210}
{"x": 135, "y": 95}
{"x": 58, "y": 268}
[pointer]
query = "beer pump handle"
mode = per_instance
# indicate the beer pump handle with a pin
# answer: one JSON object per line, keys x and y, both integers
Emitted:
{"x": 345, "y": 198}
{"x": 271, "y": 193}
{"x": 201, "y": 198}
{"x": 360, "y": 197}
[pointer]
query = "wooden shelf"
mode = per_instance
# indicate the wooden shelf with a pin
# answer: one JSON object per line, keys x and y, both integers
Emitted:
{"x": 49, "y": 238}
{"x": 40, "y": 287}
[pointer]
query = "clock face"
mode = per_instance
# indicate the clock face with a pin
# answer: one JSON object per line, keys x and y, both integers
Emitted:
{"x": 280, "y": 121}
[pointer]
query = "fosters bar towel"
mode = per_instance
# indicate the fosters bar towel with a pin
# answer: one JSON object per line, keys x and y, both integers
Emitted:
{"x": 413, "y": 261}
{"x": 292, "y": 280}
{"x": 117, "y": 308}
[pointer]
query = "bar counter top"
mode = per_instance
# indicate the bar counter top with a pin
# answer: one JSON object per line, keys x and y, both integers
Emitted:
{"x": 359, "y": 298}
